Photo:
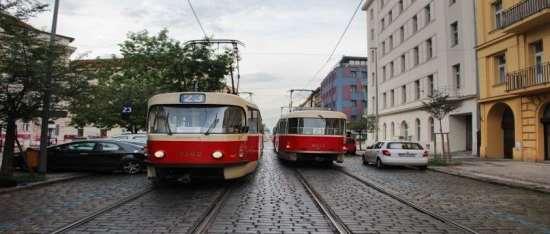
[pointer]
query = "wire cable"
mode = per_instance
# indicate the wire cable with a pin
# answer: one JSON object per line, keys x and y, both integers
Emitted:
{"x": 197, "y": 19}
{"x": 337, "y": 43}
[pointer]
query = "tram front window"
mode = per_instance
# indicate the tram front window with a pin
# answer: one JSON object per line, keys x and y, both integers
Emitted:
{"x": 196, "y": 119}
{"x": 316, "y": 126}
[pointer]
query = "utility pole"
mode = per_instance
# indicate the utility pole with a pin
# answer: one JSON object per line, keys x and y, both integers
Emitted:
{"x": 375, "y": 55}
{"x": 44, "y": 136}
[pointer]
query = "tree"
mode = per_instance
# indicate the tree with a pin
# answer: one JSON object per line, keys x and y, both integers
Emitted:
{"x": 438, "y": 106}
{"x": 367, "y": 124}
{"x": 24, "y": 57}
{"x": 149, "y": 65}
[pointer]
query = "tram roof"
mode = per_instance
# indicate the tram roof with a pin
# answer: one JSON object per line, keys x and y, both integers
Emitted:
{"x": 210, "y": 98}
{"x": 316, "y": 114}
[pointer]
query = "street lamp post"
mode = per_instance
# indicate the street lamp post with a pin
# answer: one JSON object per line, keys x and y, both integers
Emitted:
{"x": 44, "y": 139}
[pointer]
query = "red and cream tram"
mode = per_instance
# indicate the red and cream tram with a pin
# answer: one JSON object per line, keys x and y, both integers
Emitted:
{"x": 202, "y": 135}
{"x": 311, "y": 135}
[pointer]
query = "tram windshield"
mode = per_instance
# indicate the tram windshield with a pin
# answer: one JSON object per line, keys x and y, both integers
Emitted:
{"x": 195, "y": 119}
{"x": 316, "y": 126}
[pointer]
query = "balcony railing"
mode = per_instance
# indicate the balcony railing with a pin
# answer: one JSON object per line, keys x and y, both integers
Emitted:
{"x": 528, "y": 77}
{"x": 522, "y": 10}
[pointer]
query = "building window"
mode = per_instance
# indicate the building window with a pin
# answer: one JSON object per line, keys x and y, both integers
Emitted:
{"x": 427, "y": 14}
{"x": 385, "y": 131}
{"x": 382, "y": 24}
{"x": 451, "y": 2}
{"x": 392, "y": 71}
{"x": 390, "y": 41}
{"x": 497, "y": 10}
{"x": 371, "y": 14}
{"x": 538, "y": 54}
{"x": 414, "y": 24}
{"x": 390, "y": 17}
{"x": 401, "y": 34}
{"x": 354, "y": 103}
{"x": 353, "y": 74}
{"x": 365, "y": 106}
{"x": 372, "y": 80}
{"x": 403, "y": 63}
{"x": 417, "y": 123}
{"x": 392, "y": 98}
{"x": 416, "y": 89}
{"x": 403, "y": 94}
{"x": 372, "y": 33}
{"x": 404, "y": 131}
{"x": 384, "y": 102}
{"x": 456, "y": 75}
{"x": 384, "y": 73}
{"x": 430, "y": 85}
{"x": 429, "y": 48}
{"x": 500, "y": 61}
{"x": 392, "y": 129}
{"x": 383, "y": 47}
{"x": 400, "y": 6}
{"x": 353, "y": 89}
{"x": 454, "y": 34}
{"x": 415, "y": 56}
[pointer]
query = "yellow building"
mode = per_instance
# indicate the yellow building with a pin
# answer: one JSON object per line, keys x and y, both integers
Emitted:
{"x": 514, "y": 73}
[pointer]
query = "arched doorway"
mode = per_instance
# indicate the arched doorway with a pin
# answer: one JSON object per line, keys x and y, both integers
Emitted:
{"x": 507, "y": 125}
{"x": 545, "y": 120}
{"x": 500, "y": 140}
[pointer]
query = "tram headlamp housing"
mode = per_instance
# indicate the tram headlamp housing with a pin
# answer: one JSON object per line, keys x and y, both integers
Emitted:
{"x": 159, "y": 154}
{"x": 217, "y": 154}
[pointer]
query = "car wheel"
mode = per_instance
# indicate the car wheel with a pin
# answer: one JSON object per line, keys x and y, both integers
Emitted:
{"x": 364, "y": 161}
{"x": 131, "y": 167}
{"x": 379, "y": 163}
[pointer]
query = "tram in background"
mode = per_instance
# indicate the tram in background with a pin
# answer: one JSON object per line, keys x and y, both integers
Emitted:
{"x": 202, "y": 134}
{"x": 311, "y": 135}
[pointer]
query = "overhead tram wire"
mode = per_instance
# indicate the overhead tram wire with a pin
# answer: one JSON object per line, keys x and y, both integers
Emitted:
{"x": 197, "y": 19}
{"x": 337, "y": 43}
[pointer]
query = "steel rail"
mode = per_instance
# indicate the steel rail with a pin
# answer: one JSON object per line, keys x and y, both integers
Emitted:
{"x": 338, "y": 225}
{"x": 102, "y": 211}
{"x": 203, "y": 223}
{"x": 407, "y": 202}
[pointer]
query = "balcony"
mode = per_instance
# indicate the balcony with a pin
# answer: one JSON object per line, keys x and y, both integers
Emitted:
{"x": 525, "y": 15}
{"x": 532, "y": 79}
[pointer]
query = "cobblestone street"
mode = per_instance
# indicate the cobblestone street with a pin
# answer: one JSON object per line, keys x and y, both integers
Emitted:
{"x": 275, "y": 201}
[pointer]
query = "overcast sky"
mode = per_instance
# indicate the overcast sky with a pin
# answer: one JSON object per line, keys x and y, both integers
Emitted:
{"x": 287, "y": 41}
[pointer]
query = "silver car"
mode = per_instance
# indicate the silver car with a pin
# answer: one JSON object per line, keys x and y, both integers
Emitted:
{"x": 396, "y": 153}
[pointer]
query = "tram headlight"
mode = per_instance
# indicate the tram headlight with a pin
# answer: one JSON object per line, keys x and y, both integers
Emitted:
{"x": 159, "y": 154}
{"x": 217, "y": 154}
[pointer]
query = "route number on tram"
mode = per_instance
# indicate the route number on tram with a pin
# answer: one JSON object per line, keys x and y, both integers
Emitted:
{"x": 192, "y": 98}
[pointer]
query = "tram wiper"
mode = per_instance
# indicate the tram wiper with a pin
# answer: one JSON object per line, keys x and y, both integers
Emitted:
{"x": 212, "y": 125}
{"x": 167, "y": 123}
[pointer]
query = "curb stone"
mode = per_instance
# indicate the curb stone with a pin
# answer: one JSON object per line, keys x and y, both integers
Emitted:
{"x": 42, "y": 183}
{"x": 495, "y": 180}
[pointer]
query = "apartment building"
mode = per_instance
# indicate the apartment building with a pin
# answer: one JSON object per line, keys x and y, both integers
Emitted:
{"x": 415, "y": 48}
{"x": 514, "y": 75}
{"x": 344, "y": 88}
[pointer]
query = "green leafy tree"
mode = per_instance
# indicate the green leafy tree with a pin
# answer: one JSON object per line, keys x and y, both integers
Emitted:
{"x": 367, "y": 124}
{"x": 439, "y": 105}
{"x": 24, "y": 60}
{"x": 149, "y": 65}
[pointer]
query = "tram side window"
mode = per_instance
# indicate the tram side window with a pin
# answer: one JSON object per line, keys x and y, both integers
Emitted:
{"x": 254, "y": 121}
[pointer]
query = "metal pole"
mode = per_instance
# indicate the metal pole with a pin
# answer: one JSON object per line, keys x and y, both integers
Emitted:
{"x": 290, "y": 104}
{"x": 44, "y": 139}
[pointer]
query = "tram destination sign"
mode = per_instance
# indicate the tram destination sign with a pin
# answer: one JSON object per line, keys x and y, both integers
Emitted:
{"x": 192, "y": 98}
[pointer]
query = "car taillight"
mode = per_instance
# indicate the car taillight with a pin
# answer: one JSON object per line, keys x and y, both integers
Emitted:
{"x": 425, "y": 153}
{"x": 386, "y": 152}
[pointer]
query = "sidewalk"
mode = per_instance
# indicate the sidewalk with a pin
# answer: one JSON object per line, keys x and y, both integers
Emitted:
{"x": 528, "y": 175}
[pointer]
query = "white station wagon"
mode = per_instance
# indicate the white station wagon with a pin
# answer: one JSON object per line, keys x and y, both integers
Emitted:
{"x": 396, "y": 153}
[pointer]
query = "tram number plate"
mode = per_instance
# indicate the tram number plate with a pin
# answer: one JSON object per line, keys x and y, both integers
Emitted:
{"x": 190, "y": 154}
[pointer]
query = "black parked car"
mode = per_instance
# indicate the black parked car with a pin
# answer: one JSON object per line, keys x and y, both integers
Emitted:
{"x": 96, "y": 155}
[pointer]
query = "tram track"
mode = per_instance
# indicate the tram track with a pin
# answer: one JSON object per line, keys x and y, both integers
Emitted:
{"x": 102, "y": 211}
{"x": 406, "y": 202}
{"x": 207, "y": 218}
{"x": 337, "y": 224}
